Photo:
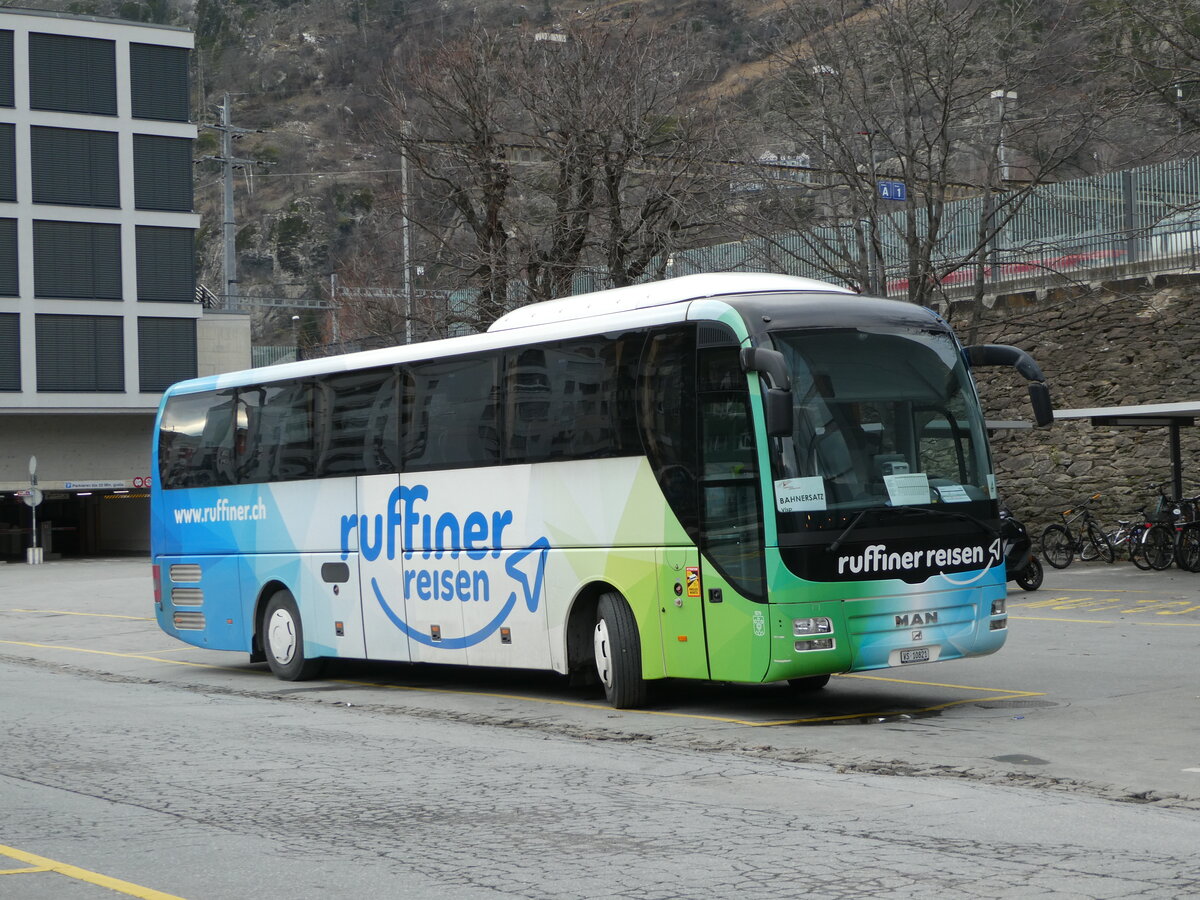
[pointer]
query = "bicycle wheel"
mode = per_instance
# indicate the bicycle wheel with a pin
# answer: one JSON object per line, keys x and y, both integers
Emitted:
{"x": 1158, "y": 545}
{"x": 1137, "y": 549}
{"x": 1187, "y": 549}
{"x": 1058, "y": 548}
{"x": 1099, "y": 541}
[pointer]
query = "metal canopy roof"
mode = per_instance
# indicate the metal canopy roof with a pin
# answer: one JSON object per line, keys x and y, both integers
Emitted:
{"x": 1147, "y": 415}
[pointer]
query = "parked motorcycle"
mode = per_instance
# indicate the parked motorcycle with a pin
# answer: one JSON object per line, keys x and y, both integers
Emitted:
{"x": 1020, "y": 561}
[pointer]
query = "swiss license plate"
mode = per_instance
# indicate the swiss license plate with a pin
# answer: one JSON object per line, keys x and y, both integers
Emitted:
{"x": 917, "y": 654}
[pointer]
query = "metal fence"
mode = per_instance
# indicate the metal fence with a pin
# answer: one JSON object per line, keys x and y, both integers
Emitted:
{"x": 1135, "y": 221}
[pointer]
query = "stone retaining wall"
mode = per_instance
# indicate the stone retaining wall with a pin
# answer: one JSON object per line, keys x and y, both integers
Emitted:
{"x": 1119, "y": 343}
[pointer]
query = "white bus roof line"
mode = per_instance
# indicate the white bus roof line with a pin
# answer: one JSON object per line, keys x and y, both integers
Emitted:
{"x": 635, "y": 307}
{"x": 656, "y": 293}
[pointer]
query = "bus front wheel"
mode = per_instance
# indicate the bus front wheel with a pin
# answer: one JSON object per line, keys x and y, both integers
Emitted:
{"x": 618, "y": 653}
{"x": 283, "y": 640}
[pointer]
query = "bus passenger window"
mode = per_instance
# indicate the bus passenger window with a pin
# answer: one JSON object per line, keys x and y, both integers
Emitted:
{"x": 357, "y": 424}
{"x": 277, "y": 430}
{"x": 196, "y": 441}
{"x": 453, "y": 403}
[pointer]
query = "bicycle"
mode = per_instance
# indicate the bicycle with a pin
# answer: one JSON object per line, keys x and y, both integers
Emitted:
{"x": 1179, "y": 517}
{"x": 1060, "y": 543}
{"x": 1149, "y": 545}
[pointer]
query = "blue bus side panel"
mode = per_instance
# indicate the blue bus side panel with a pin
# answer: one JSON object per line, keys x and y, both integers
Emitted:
{"x": 201, "y": 601}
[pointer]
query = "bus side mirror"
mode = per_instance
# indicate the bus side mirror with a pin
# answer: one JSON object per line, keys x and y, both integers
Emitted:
{"x": 1043, "y": 408}
{"x": 778, "y": 396}
{"x": 779, "y": 412}
{"x": 1003, "y": 355}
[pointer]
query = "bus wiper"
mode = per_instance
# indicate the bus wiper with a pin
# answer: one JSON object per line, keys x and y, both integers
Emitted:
{"x": 832, "y": 548}
{"x": 910, "y": 510}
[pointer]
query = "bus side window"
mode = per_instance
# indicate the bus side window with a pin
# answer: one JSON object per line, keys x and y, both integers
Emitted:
{"x": 196, "y": 441}
{"x": 666, "y": 413}
{"x": 357, "y": 424}
{"x": 278, "y": 432}
{"x": 454, "y": 403}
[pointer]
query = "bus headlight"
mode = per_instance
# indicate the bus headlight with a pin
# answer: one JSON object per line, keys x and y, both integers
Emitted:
{"x": 820, "y": 625}
{"x": 999, "y": 607}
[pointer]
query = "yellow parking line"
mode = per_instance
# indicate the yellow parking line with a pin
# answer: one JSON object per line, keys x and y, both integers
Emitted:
{"x": 173, "y": 662}
{"x": 104, "y": 881}
{"x": 65, "y": 612}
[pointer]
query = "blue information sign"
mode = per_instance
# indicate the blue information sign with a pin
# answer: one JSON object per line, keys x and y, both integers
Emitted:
{"x": 892, "y": 190}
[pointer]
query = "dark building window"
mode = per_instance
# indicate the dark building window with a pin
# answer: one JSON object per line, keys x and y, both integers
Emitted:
{"x": 72, "y": 74}
{"x": 166, "y": 352}
{"x": 165, "y": 264}
{"x": 80, "y": 353}
{"x": 10, "y": 352}
{"x": 8, "y": 162}
{"x": 74, "y": 167}
{"x": 159, "y": 82}
{"x": 162, "y": 173}
{"x": 77, "y": 260}
{"x": 10, "y": 285}
{"x": 6, "y": 69}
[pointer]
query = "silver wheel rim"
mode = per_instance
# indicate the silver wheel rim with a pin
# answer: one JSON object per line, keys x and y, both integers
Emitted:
{"x": 281, "y": 636}
{"x": 603, "y": 660}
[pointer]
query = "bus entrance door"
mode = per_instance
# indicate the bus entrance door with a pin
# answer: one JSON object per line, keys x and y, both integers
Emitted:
{"x": 681, "y": 613}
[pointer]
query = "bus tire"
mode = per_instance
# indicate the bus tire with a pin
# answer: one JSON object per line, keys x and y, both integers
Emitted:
{"x": 618, "y": 653}
{"x": 283, "y": 640}
{"x": 811, "y": 683}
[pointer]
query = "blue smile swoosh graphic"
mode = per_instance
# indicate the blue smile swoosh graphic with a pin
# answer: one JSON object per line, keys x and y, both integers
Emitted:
{"x": 532, "y": 595}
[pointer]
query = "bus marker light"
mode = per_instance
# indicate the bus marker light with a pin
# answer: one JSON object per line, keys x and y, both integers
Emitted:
{"x": 157, "y": 575}
{"x": 818, "y": 644}
{"x": 435, "y": 632}
{"x": 682, "y": 638}
{"x": 506, "y": 635}
{"x": 339, "y": 629}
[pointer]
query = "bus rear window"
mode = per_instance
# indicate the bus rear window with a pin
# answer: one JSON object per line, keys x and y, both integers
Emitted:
{"x": 196, "y": 440}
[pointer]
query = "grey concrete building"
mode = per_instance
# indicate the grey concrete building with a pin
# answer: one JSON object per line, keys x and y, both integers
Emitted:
{"x": 98, "y": 310}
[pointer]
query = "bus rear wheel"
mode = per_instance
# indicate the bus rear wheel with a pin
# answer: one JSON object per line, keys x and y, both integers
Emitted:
{"x": 283, "y": 640}
{"x": 618, "y": 653}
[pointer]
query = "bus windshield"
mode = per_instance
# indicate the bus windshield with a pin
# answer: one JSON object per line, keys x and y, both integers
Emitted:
{"x": 882, "y": 417}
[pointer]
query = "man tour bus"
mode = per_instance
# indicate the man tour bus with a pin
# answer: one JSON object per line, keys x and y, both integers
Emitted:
{"x": 731, "y": 477}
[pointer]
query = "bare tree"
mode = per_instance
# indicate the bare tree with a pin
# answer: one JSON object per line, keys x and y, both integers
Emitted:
{"x": 540, "y": 157}
{"x": 947, "y": 98}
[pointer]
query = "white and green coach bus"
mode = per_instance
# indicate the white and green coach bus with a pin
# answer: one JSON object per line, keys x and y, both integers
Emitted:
{"x": 733, "y": 477}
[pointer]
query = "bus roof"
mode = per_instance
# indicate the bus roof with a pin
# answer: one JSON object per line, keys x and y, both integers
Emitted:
{"x": 657, "y": 293}
{"x": 643, "y": 304}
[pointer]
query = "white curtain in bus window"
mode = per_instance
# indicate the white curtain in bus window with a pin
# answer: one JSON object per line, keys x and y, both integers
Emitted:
{"x": 452, "y": 404}
{"x": 277, "y": 443}
{"x": 358, "y": 424}
{"x": 195, "y": 444}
